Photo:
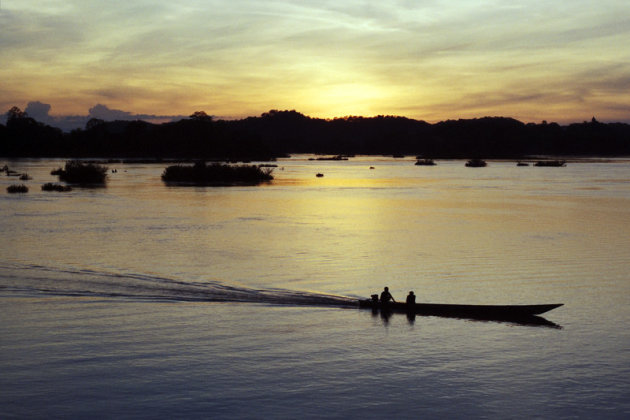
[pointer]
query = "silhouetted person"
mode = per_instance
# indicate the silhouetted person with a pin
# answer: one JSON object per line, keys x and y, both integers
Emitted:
{"x": 386, "y": 297}
{"x": 411, "y": 299}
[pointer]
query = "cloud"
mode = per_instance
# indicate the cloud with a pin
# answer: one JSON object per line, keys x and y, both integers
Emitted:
{"x": 40, "y": 112}
{"x": 244, "y": 57}
{"x": 104, "y": 113}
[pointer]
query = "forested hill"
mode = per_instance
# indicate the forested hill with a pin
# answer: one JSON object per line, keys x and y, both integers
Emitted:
{"x": 278, "y": 133}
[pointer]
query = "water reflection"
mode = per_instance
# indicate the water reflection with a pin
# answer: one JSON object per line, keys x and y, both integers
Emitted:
{"x": 385, "y": 315}
{"x": 529, "y": 321}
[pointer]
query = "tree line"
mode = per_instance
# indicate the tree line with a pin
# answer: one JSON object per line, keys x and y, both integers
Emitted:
{"x": 278, "y": 133}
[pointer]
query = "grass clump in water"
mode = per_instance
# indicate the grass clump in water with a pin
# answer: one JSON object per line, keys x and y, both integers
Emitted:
{"x": 56, "y": 187}
{"x": 77, "y": 172}
{"x": 216, "y": 174}
{"x": 17, "y": 189}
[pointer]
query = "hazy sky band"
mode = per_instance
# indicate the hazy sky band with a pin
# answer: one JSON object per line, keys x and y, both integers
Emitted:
{"x": 430, "y": 60}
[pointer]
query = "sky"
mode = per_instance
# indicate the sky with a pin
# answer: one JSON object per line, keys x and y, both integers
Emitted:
{"x": 431, "y": 60}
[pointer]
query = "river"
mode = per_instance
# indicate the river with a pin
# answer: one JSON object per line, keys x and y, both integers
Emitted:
{"x": 141, "y": 300}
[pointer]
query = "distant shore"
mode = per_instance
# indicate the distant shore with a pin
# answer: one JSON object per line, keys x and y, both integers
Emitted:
{"x": 280, "y": 133}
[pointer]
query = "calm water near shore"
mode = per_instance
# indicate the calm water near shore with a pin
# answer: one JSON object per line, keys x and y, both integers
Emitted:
{"x": 141, "y": 300}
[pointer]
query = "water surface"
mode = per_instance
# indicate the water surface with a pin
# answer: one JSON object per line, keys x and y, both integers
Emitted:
{"x": 143, "y": 300}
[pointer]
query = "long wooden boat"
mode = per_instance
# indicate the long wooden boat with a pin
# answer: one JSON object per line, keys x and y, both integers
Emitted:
{"x": 497, "y": 312}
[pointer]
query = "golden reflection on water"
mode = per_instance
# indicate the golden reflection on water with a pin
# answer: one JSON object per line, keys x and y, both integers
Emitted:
{"x": 453, "y": 234}
{"x": 494, "y": 236}
{"x": 459, "y": 240}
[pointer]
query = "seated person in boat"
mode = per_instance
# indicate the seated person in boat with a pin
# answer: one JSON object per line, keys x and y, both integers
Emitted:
{"x": 386, "y": 297}
{"x": 411, "y": 299}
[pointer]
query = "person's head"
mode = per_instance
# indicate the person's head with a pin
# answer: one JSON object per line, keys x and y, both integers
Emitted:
{"x": 411, "y": 292}
{"x": 386, "y": 289}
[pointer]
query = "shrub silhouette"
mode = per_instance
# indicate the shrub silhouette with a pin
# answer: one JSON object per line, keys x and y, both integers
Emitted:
{"x": 552, "y": 163}
{"x": 76, "y": 172}
{"x": 17, "y": 189}
{"x": 56, "y": 187}
{"x": 216, "y": 174}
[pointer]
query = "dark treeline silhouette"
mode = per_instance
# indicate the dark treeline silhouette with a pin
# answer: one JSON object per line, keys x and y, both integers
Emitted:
{"x": 277, "y": 133}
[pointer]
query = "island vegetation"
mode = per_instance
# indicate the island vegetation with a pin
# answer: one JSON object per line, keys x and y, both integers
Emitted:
{"x": 82, "y": 173}
{"x": 278, "y": 133}
{"x": 17, "y": 189}
{"x": 338, "y": 157}
{"x": 11, "y": 172}
{"x": 476, "y": 163}
{"x": 49, "y": 186}
{"x": 551, "y": 163}
{"x": 216, "y": 174}
{"x": 425, "y": 162}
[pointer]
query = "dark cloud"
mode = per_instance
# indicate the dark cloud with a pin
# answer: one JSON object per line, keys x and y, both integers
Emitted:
{"x": 41, "y": 113}
{"x": 103, "y": 112}
{"x": 38, "y": 111}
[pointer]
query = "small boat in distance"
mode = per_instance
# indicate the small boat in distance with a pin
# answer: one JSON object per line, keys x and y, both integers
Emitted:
{"x": 425, "y": 162}
{"x": 476, "y": 163}
{"x": 486, "y": 312}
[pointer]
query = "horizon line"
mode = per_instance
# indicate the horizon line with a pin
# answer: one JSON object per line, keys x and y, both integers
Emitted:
{"x": 63, "y": 120}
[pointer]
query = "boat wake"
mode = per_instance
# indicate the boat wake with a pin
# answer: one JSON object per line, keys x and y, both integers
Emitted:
{"x": 38, "y": 280}
{"x": 56, "y": 281}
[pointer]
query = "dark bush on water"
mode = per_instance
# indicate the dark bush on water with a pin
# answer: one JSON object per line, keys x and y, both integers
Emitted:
{"x": 17, "y": 189}
{"x": 56, "y": 187}
{"x": 77, "y": 172}
{"x": 216, "y": 174}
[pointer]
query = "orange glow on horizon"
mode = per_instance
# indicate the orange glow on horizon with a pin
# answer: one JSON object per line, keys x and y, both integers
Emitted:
{"x": 426, "y": 62}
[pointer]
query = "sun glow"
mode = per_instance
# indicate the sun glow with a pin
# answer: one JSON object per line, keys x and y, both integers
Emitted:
{"x": 345, "y": 99}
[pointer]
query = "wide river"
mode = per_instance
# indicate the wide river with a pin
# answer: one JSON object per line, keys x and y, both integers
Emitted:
{"x": 141, "y": 300}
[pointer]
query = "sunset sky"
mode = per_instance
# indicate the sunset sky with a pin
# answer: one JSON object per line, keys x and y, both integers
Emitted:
{"x": 430, "y": 60}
